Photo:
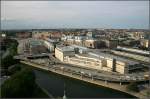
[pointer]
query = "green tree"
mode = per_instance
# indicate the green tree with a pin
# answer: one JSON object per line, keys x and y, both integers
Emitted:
{"x": 13, "y": 69}
{"x": 20, "y": 85}
{"x": 8, "y": 61}
{"x": 148, "y": 93}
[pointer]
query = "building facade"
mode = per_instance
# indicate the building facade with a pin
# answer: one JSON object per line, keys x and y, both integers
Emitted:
{"x": 145, "y": 43}
{"x": 98, "y": 61}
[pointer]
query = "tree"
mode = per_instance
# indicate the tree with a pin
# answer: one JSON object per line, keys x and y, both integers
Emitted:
{"x": 20, "y": 85}
{"x": 8, "y": 61}
{"x": 148, "y": 93}
{"x": 133, "y": 86}
{"x": 13, "y": 69}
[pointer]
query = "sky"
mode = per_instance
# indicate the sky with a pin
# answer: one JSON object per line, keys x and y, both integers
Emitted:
{"x": 74, "y": 14}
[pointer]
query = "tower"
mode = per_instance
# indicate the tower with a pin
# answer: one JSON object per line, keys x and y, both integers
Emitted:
{"x": 64, "y": 97}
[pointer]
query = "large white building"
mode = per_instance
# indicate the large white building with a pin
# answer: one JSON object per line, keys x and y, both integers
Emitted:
{"x": 99, "y": 61}
{"x": 50, "y": 44}
{"x": 63, "y": 51}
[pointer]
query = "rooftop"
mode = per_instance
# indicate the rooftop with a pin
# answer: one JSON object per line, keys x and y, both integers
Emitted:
{"x": 110, "y": 56}
{"x": 35, "y": 42}
{"x": 65, "y": 48}
{"x": 134, "y": 50}
{"x": 70, "y": 48}
{"x": 52, "y": 40}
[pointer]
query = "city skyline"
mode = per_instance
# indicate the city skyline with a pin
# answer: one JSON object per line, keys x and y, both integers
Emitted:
{"x": 74, "y": 14}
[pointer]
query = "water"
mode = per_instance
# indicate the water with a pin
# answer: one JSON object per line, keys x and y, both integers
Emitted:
{"x": 54, "y": 84}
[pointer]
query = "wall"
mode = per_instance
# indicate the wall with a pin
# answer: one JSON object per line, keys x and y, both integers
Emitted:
{"x": 59, "y": 54}
{"x": 120, "y": 67}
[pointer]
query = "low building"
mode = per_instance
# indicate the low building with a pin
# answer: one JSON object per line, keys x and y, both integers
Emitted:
{"x": 62, "y": 51}
{"x": 115, "y": 63}
{"x": 145, "y": 43}
{"x": 99, "y": 61}
{"x": 55, "y": 35}
{"x": 41, "y": 34}
{"x": 23, "y": 46}
{"x": 50, "y": 44}
{"x": 23, "y": 35}
{"x": 132, "y": 55}
{"x": 137, "y": 35}
{"x": 37, "y": 47}
{"x": 90, "y": 34}
{"x": 111, "y": 43}
{"x": 83, "y": 41}
{"x": 93, "y": 43}
{"x": 84, "y": 61}
{"x": 133, "y": 50}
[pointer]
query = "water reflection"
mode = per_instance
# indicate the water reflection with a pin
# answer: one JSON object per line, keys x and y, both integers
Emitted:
{"x": 54, "y": 84}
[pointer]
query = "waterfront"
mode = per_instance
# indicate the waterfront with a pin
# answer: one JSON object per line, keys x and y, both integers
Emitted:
{"x": 54, "y": 84}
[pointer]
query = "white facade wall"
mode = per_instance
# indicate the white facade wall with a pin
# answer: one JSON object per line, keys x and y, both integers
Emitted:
{"x": 100, "y": 63}
{"x": 93, "y": 64}
{"x": 109, "y": 62}
{"x": 121, "y": 67}
{"x": 59, "y": 54}
{"x": 49, "y": 46}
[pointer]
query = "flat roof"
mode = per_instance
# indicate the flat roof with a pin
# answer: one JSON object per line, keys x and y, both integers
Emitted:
{"x": 134, "y": 50}
{"x": 110, "y": 56}
{"x": 65, "y": 48}
{"x": 71, "y": 47}
{"x": 34, "y": 42}
{"x": 90, "y": 56}
{"x": 80, "y": 47}
{"x": 52, "y": 40}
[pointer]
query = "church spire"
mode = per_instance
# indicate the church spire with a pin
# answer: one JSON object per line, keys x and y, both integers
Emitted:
{"x": 64, "y": 97}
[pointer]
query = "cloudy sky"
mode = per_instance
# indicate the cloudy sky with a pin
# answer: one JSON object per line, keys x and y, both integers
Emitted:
{"x": 74, "y": 14}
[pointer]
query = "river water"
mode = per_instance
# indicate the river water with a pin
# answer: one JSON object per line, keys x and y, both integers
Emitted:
{"x": 54, "y": 84}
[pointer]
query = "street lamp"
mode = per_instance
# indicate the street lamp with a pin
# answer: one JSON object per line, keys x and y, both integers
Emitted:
{"x": 82, "y": 74}
{"x": 120, "y": 80}
{"x": 62, "y": 68}
{"x": 105, "y": 81}
{"x": 90, "y": 75}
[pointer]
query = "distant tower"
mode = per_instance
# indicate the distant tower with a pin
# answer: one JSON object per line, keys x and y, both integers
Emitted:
{"x": 64, "y": 97}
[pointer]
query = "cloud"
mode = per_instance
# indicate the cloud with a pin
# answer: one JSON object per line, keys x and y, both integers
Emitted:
{"x": 75, "y": 13}
{"x": 26, "y": 10}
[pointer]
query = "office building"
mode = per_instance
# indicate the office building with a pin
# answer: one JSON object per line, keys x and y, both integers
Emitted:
{"x": 36, "y": 46}
{"x": 99, "y": 61}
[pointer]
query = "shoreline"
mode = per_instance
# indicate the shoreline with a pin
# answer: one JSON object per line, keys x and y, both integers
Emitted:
{"x": 109, "y": 85}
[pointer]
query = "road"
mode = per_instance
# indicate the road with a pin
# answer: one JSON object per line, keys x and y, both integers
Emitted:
{"x": 103, "y": 75}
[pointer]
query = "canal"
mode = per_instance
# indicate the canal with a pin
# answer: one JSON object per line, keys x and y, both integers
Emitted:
{"x": 54, "y": 84}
